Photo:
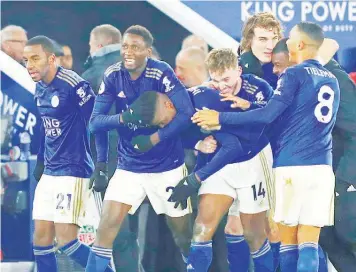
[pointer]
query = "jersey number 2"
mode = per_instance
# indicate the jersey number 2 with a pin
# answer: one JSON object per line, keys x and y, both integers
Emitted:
{"x": 323, "y": 102}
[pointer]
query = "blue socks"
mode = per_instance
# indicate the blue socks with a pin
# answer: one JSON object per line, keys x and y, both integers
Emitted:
{"x": 308, "y": 260}
{"x": 238, "y": 253}
{"x": 275, "y": 250}
{"x": 323, "y": 264}
{"x": 200, "y": 256}
{"x": 263, "y": 258}
{"x": 288, "y": 258}
{"x": 77, "y": 252}
{"x": 45, "y": 258}
{"x": 99, "y": 259}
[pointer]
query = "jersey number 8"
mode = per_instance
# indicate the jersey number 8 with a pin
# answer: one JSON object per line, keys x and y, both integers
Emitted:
{"x": 324, "y": 102}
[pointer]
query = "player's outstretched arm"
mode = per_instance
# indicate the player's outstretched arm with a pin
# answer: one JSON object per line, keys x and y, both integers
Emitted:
{"x": 264, "y": 115}
{"x": 282, "y": 98}
{"x": 188, "y": 186}
{"x": 100, "y": 120}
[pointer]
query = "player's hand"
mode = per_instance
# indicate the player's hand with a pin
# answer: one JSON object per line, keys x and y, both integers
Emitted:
{"x": 144, "y": 143}
{"x": 206, "y": 118}
{"x": 207, "y": 146}
{"x": 99, "y": 180}
{"x": 38, "y": 172}
{"x": 131, "y": 116}
{"x": 237, "y": 102}
{"x": 187, "y": 187}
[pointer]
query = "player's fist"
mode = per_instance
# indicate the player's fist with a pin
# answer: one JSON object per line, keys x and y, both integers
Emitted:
{"x": 38, "y": 172}
{"x": 142, "y": 111}
{"x": 187, "y": 187}
{"x": 206, "y": 118}
{"x": 99, "y": 179}
{"x": 207, "y": 146}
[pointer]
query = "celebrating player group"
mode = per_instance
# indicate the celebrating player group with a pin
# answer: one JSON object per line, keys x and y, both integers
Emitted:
{"x": 263, "y": 144}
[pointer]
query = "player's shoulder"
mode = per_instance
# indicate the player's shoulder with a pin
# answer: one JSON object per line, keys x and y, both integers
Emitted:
{"x": 252, "y": 83}
{"x": 250, "y": 64}
{"x": 254, "y": 79}
{"x": 68, "y": 78}
{"x": 156, "y": 68}
{"x": 113, "y": 69}
{"x": 202, "y": 90}
{"x": 203, "y": 96}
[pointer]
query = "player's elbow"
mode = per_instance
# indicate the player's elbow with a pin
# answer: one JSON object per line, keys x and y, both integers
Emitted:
{"x": 93, "y": 127}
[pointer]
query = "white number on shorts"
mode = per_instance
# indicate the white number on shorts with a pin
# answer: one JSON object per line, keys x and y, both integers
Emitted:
{"x": 323, "y": 102}
{"x": 61, "y": 199}
{"x": 261, "y": 191}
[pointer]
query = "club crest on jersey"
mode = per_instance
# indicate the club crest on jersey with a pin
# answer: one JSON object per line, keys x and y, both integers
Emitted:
{"x": 81, "y": 92}
{"x": 259, "y": 96}
{"x": 167, "y": 83}
{"x": 54, "y": 101}
{"x": 102, "y": 88}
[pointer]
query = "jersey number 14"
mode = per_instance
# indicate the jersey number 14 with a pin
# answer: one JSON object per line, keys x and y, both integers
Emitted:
{"x": 324, "y": 102}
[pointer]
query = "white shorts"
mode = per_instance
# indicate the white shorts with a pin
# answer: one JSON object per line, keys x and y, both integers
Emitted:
{"x": 61, "y": 199}
{"x": 305, "y": 195}
{"x": 248, "y": 183}
{"x": 132, "y": 188}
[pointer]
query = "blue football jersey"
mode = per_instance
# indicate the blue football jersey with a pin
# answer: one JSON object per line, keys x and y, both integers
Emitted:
{"x": 118, "y": 88}
{"x": 304, "y": 129}
{"x": 65, "y": 106}
{"x": 251, "y": 138}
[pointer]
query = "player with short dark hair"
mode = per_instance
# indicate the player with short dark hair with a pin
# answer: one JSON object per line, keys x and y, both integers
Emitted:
{"x": 280, "y": 57}
{"x": 338, "y": 252}
{"x": 64, "y": 165}
{"x": 150, "y": 158}
{"x": 306, "y": 100}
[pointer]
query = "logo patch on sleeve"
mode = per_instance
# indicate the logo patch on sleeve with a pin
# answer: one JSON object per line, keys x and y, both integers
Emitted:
{"x": 167, "y": 83}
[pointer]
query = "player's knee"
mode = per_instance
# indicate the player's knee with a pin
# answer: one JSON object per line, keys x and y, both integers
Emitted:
{"x": 234, "y": 227}
{"x": 203, "y": 232}
{"x": 66, "y": 233}
{"x": 43, "y": 238}
{"x": 254, "y": 239}
{"x": 43, "y": 234}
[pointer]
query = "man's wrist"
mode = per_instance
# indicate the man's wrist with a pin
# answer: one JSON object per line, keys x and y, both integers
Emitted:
{"x": 154, "y": 138}
{"x": 194, "y": 180}
{"x": 197, "y": 145}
